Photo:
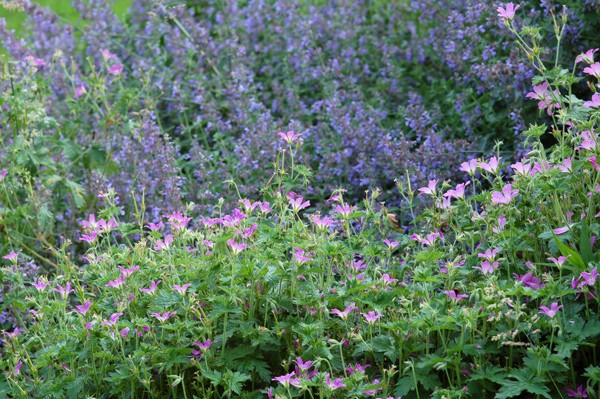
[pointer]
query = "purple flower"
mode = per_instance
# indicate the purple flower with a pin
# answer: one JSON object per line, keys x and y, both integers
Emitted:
{"x": 150, "y": 291}
{"x": 388, "y": 280}
{"x": 371, "y": 317}
{"x": 112, "y": 319}
{"x": 344, "y": 314}
{"x": 304, "y": 366}
{"x": 486, "y": 267}
{"x": 289, "y": 137}
{"x": 345, "y": 210}
{"x": 561, "y": 230}
{"x": 287, "y": 379}
{"x": 529, "y": 280}
{"x": 178, "y": 221}
{"x": 430, "y": 189}
{"x": 508, "y": 11}
{"x": 163, "y": 317}
{"x": 580, "y": 392}
{"x": 155, "y": 226}
{"x": 116, "y": 283}
{"x": 560, "y": 261}
{"x": 79, "y": 91}
{"x": 469, "y": 167}
{"x": 115, "y": 69}
{"x": 236, "y": 247}
{"x": 64, "y": 291}
{"x": 521, "y": 169}
{"x": 181, "y": 288}
{"x": 40, "y": 285}
{"x": 17, "y": 370}
{"x": 106, "y": 54}
{"x": 265, "y": 207}
{"x": 391, "y": 244}
{"x": 587, "y": 57}
{"x": 301, "y": 256}
{"x": 12, "y": 256}
{"x": 336, "y": 384}
{"x": 588, "y": 278}
{"x": 128, "y": 272}
{"x": 550, "y": 312}
{"x": 322, "y": 223}
{"x": 504, "y": 197}
{"x": 159, "y": 245}
{"x": 457, "y": 192}
{"x": 454, "y": 296}
{"x": 90, "y": 238}
{"x": 124, "y": 332}
{"x": 3, "y": 174}
{"x": 297, "y": 203}
{"x": 593, "y": 70}
{"x": 489, "y": 254}
{"x": 594, "y": 103}
{"x": 83, "y": 309}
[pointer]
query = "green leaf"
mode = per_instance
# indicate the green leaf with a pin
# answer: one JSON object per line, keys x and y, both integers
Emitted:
{"x": 523, "y": 381}
{"x": 585, "y": 243}
{"x": 573, "y": 257}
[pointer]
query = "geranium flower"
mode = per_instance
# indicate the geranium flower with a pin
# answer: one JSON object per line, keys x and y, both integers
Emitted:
{"x": 371, "y": 317}
{"x": 83, "y": 309}
{"x": 335, "y": 384}
{"x": 550, "y": 312}
{"x": 504, "y": 197}
{"x": 454, "y": 296}
{"x": 587, "y": 57}
{"x": 430, "y": 189}
{"x": 344, "y": 313}
{"x": 508, "y": 11}
{"x": 181, "y": 288}
{"x": 12, "y": 256}
{"x": 593, "y": 70}
{"x": 163, "y": 317}
{"x": 594, "y": 103}
{"x": 150, "y": 291}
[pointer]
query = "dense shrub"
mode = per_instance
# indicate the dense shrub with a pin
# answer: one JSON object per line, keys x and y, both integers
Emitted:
{"x": 494, "y": 292}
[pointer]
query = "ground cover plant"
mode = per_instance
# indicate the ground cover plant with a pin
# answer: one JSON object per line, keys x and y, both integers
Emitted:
{"x": 114, "y": 286}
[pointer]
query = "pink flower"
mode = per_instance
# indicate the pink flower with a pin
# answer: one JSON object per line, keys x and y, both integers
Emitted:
{"x": 371, "y": 317}
{"x": 486, "y": 267}
{"x": 492, "y": 166}
{"x": 322, "y": 223}
{"x": 106, "y": 54}
{"x": 203, "y": 346}
{"x": 163, "y": 317}
{"x": 508, "y": 11}
{"x": 165, "y": 243}
{"x": 430, "y": 189}
{"x": 594, "y": 103}
{"x": 3, "y": 174}
{"x": 115, "y": 69}
{"x": 297, "y": 203}
{"x": 64, "y": 291}
{"x": 150, "y": 291}
{"x": 489, "y": 254}
{"x": 345, "y": 210}
{"x": 178, "y": 221}
{"x": 289, "y": 137}
{"x": 304, "y": 366}
{"x": 79, "y": 91}
{"x": 12, "y": 256}
{"x": 567, "y": 166}
{"x": 594, "y": 162}
{"x": 469, "y": 167}
{"x": 588, "y": 278}
{"x": 89, "y": 238}
{"x": 550, "y": 312}
{"x": 236, "y": 247}
{"x": 529, "y": 280}
{"x": 116, "y": 283}
{"x": 181, "y": 288}
{"x": 301, "y": 256}
{"x": 504, "y": 197}
{"x": 521, "y": 169}
{"x": 541, "y": 92}
{"x": 561, "y": 230}
{"x": 155, "y": 226}
{"x": 560, "y": 261}
{"x": 124, "y": 332}
{"x": 458, "y": 192}
{"x": 454, "y": 296}
{"x": 287, "y": 379}
{"x": 265, "y": 207}
{"x": 344, "y": 314}
{"x": 40, "y": 285}
{"x": 387, "y": 280}
{"x": 391, "y": 244}
{"x": 83, "y": 309}
{"x": 587, "y": 57}
{"x": 17, "y": 370}
{"x": 128, "y": 272}
{"x": 112, "y": 319}
{"x": 333, "y": 385}
{"x": 593, "y": 70}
